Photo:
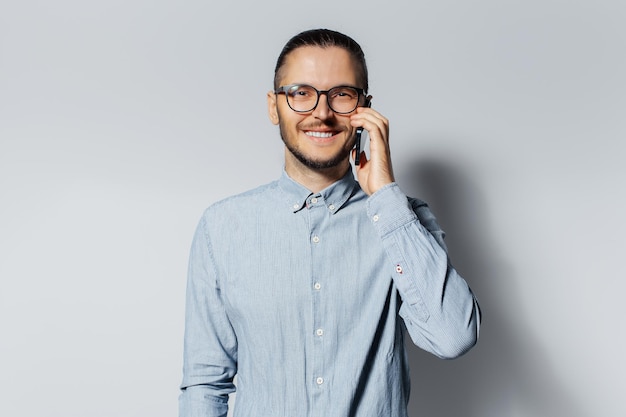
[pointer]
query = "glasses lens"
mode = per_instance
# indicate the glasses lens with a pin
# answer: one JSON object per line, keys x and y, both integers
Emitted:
{"x": 302, "y": 98}
{"x": 343, "y": 99}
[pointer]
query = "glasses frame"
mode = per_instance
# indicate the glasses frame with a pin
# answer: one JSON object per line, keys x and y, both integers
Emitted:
{"x": 285, "y": 89}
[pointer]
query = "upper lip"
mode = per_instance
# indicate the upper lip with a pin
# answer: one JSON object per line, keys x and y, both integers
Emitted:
{"x": 321, "y": 130}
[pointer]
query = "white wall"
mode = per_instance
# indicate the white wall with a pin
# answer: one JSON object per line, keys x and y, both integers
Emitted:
{"x": 120, "y": 121}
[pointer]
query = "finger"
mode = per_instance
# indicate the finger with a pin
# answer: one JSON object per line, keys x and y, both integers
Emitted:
{"x": 373, "y": 125}
{"x": 371, "y": 114}
{"x": 377, "y": 131}
{"x": 370, "y": 120}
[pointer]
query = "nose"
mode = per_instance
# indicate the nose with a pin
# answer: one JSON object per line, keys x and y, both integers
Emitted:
{"x": 323, "y": 110}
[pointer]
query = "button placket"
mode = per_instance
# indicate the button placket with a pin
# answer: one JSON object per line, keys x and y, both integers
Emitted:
{"x": 318, "y": 217}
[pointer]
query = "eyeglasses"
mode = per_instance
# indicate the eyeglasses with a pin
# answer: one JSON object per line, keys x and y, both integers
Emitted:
{"x": 304, "y": 98}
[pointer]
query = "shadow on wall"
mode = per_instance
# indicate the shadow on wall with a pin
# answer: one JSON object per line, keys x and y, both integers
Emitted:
{"x": 506, "y": 373}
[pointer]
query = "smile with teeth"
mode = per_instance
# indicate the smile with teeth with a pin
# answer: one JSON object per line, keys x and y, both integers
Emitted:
{"x": 319, "y": 134}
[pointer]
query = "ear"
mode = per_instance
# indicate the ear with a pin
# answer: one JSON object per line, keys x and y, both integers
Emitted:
{"x": 272, "y": 110}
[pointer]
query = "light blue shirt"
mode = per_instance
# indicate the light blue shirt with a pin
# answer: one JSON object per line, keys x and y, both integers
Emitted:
{"x": 303, "y": 296}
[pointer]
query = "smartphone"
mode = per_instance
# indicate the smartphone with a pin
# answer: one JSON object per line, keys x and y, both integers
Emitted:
{"x": 357, "y": 144}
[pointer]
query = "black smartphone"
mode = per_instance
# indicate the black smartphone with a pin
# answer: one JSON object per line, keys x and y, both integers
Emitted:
{"x": 357, "y": 142}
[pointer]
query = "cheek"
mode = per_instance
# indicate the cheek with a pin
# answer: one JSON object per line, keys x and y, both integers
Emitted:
{"x": 288, "y": 121}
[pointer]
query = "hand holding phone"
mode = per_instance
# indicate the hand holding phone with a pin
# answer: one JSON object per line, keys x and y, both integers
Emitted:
{"x": 374, "y": 169}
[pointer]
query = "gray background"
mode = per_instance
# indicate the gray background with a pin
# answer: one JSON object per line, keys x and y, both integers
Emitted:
{"x": 120, "y": 121}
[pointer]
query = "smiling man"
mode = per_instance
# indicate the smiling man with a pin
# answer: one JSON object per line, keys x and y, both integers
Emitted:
{"x": 305, "y": 287}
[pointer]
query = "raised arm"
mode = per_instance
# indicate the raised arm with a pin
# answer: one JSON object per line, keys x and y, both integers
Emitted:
{"x": 438, "y": 307}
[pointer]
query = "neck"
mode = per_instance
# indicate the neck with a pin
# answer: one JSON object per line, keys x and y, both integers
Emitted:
{"x": 314, "y": 179}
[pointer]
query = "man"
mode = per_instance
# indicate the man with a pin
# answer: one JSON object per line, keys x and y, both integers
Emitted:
{"x": 304, "y": 287}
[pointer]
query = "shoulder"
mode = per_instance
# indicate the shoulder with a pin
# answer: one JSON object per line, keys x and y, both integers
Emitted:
{"x": 238, "y": 205}
{"x": 244, "y": 198}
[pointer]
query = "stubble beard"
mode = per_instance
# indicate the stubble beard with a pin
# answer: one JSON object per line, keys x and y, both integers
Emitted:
{"x": 333, "y": 162}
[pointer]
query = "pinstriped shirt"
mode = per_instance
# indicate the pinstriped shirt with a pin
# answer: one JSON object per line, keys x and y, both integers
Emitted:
{"x": 307, "y": 299}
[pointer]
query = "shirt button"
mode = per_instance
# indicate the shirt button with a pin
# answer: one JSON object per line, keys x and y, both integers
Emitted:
{"x": 319, "y": 380}
{"x": 398, "y": 269}
{"x": 316, "y": 239}
{"x": 331, "y": 207}
{"x": 376, "y": 217}
{"x": 319, "y": 332}
{"x": 314, "y": 200}
{"x": 296, "y": 206}
{"x": 317, "y": 285}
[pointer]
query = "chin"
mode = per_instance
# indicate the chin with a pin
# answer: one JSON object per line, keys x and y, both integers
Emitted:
{"x": 321, "y": 163}
{"x": 308, "y": 160}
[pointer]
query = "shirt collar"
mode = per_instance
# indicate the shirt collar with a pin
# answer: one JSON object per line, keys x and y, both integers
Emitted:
{"x": 334, "y": 196}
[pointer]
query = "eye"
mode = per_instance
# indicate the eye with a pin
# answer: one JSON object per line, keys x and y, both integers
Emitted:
{"x": 344, "y": 93}
{"x": 302, "y": 92}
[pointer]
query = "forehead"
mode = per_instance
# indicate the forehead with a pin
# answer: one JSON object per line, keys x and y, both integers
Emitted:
{"x": 320, "y": 67}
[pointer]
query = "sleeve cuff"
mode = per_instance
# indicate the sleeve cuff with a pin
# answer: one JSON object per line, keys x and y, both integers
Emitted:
{"x": 388, "y": 209}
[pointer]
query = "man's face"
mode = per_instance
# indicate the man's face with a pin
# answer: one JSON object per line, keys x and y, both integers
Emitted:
{"x": 321, "y": 138}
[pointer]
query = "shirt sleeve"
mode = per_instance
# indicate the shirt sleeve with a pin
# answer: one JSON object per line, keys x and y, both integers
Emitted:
{"x": 210, "y": 350}
{"x": 439, "y": 310}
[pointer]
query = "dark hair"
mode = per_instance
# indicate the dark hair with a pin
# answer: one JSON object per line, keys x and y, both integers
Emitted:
{"x": 324, "y": 38}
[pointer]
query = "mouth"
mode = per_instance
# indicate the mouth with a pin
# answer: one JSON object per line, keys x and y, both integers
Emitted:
{"x": 321, "y": 135}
